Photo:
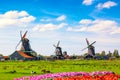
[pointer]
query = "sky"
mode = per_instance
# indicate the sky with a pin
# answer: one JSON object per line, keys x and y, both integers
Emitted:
{"x": 67, "y": 21}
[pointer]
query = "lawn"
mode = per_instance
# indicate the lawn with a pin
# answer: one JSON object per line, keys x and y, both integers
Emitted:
{"x": 25, "y": 68}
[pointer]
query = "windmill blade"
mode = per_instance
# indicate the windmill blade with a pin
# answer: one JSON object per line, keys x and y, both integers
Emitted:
{"x": 58, "y": 43}
{"x": 20, "y": 40}
{"x": 54, "y": 46}
{"x": 89, "y": 45}
{"x": 84, "y": 49}
{"x": 18, "y": 44}
{"x": 24, "y": 34}
{"x": 87, "y": 42}
{"x": 92, "y": 43}
{"x": 21, "y": 34}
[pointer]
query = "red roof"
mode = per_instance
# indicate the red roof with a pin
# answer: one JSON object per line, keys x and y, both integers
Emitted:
{"x": 24, "y": 55}
{"x": 6, "y": 57}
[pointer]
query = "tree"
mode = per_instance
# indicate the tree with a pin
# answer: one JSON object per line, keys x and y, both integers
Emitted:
{"x": 97, "y": 54}
{"x": 109, "y": 54}
{"x": 1, "y": 54}
{"x": 116, "y": 53}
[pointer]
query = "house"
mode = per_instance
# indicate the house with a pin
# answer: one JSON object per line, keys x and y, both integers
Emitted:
{"x": 20, "y": 55}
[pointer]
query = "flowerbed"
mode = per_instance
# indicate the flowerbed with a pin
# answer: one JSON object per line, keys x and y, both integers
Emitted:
{"x": 98, "y": 75}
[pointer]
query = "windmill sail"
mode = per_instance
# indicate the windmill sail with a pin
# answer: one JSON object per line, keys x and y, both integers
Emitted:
{"x": 58, "y": 43}
{"x": 24, "y": 35}
{"x": 54, "y": 46}
{"x": 87, "y": 42}
{"x": 84, "y": 49}
{"x": 93, "y": 43}
{"x": 19, "y": 41}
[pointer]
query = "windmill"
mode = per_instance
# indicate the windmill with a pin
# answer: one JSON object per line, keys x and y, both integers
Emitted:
{"x": 91, "y": 49}
{"x": 25, "y": 47}
{"x": 58, "y": 50}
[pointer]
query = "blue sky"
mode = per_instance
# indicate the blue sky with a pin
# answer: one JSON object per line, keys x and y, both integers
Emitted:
{"x": 70, "y": 21}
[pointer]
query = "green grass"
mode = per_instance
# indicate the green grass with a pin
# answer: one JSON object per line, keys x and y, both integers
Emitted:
{"x": 24, "y": 68}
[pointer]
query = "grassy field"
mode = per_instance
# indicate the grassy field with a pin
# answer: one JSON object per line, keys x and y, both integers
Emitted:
{"x": 25, "y": 68}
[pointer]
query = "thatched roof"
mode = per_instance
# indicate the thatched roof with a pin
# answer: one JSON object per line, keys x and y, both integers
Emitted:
{"x": 23, "y": 54}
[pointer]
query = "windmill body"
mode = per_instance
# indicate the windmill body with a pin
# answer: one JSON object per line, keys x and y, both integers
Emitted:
{"x": 58, "y": 51}
{"x": 26, "y": 45}
{"x": 91, "y": 49}
{"x": 25, "y": 52}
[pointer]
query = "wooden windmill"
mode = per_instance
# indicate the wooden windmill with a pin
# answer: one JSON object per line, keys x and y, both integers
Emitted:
{"x": 58, "y": 50}
{"x": 25, "y": 51}
{"x": 91, "y": 48}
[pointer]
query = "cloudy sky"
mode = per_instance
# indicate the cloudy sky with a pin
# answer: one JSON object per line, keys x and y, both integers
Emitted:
{"x": 70, "y": 21}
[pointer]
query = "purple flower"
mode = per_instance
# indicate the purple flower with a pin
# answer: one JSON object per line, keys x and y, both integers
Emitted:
{"x": 64, "y": 74}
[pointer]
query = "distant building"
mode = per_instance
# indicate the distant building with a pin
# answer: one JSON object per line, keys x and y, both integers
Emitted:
{"x": 2, "y": 58}
{"x": 66, "y": 56}
{"x": 6, "y": 57}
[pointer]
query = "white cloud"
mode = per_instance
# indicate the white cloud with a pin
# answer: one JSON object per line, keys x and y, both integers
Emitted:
{"x": 46, "y": 20}
{"x": 87, "y": 2}
{"x": 23, "y": 13}
{"x": 76, "y": 29}
{"x": 85, "y": 21}
{"x": 13, "y": 18}
{"x": 27, "y": 19}
{"x": 61, "y": 18}
{"x": 105, "y": 26}
{"x": 49, "y": 26}
{"x": 14, "y": 14}
{"x": 107, "y": 5}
